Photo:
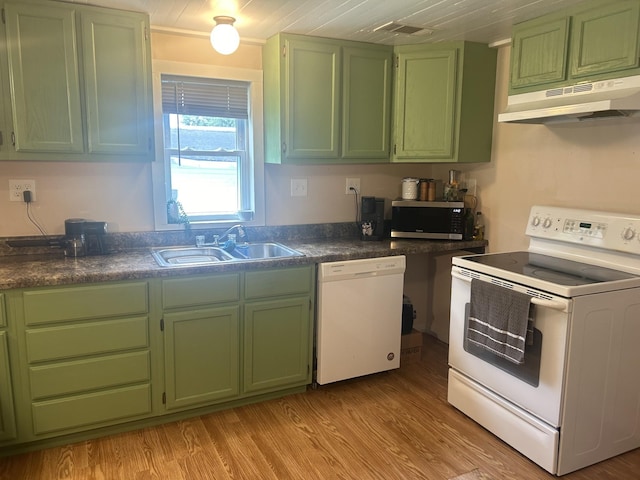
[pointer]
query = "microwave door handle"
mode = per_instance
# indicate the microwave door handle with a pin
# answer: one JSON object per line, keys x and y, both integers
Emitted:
{"x": 535, "y": 300}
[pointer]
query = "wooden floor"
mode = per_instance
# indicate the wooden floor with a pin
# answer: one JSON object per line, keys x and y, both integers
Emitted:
{"x": 394, "y": 425}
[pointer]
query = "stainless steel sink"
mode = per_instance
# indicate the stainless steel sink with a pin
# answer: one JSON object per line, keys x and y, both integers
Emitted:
{"x": 264, "y": 250}
{"x": 190, "y": 256}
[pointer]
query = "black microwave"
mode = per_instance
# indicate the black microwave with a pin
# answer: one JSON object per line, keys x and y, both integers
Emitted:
{"x": 432, "y": 220}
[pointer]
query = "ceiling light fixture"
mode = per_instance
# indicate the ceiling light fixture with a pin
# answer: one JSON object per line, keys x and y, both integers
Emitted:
{"x": 224, "y": 36}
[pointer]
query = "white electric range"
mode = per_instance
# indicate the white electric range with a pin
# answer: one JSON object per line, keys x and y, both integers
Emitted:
{"x": 576, "y": 398}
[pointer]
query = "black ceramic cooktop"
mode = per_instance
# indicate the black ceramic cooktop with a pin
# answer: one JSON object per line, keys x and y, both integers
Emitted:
{"x": 550, "y": 269}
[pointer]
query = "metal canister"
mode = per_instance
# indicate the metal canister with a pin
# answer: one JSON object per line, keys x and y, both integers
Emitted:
{"x": 424, "y": 189}
{"x": 431, "y": 190}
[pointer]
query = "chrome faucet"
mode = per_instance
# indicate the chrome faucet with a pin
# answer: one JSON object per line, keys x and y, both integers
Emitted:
{"x": 242, "y": 234}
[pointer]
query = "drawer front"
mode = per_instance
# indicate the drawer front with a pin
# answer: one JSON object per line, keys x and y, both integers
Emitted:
{"x": 78, "y": 303}
{"x": 90, "y": 338}
{"x": 3, "y": 316}
{"x": 270, "y": 283}
{"x": 185, "y": 292}
{"x": 91, "y": 409}
{"x": 90, "y": 374}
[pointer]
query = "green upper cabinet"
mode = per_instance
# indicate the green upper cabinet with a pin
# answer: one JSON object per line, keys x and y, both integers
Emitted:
{"x": 46, "y": 108}
{"x": 539, "y": 52}
{"x": 605, "y": 39}
{"x": 366, "y": 102}
{"x": 115, "y": 61}
{"x": 326, "y": 101}
{"x": 311, "y": 127}
{"x": 444, "y": 103}
{"x": 585, "y": 43}
{"x": 94, "y": 103}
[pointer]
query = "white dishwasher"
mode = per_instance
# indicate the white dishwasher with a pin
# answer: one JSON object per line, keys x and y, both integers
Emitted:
{"x": 359, "y": 317}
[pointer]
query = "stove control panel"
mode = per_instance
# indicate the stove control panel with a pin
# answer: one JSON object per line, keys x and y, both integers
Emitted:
{"x": 579, "y": 227}
{"x": 605, "y": 230}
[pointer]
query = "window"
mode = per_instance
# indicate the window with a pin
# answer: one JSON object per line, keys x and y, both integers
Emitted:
{"x": 211, "y": 170}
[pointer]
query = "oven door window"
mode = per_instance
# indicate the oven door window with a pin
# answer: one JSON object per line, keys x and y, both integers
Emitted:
{"x": 528, "y": 372}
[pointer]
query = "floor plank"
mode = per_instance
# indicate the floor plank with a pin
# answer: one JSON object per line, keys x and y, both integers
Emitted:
{"x": 394, "y": 425}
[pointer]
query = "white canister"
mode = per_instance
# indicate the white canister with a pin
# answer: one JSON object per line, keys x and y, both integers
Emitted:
{"x": 410, "y": 188}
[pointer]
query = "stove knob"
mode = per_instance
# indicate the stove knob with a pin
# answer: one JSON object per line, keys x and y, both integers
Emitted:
{"x": 535, "y": 221}
{"x": 547, "y": 223}
{"x": 628, "y": 233}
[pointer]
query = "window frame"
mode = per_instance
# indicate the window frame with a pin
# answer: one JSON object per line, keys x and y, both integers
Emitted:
{"x": 160, "y": 168}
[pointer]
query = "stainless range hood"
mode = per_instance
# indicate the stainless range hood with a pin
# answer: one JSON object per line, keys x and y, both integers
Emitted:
{"x": 618, "y": 97}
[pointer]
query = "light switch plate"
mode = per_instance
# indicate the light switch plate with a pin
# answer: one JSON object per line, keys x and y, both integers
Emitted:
{"x": 298, "y": 187}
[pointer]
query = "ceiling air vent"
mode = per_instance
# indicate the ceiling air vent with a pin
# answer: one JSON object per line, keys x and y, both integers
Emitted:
{"x": 404, "y": 29}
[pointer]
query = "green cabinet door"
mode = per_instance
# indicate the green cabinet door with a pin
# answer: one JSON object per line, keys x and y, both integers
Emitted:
{"x": 425, "y": 105}
{"x": 605, "y": 39}
{"x": 326, "y": 101}
{"x": 94, "y": 101}
{"x": 276, "y": 344}
{"x": 201, "y": 356}
{"x": 116, "y": 77}
{"x": 7, "y": 417}
{"x": 539, "y": 52}
{"x": 366, "y": 102}
{"x": 46, "y": 107}
{"x": 312, "y": 121}
{"x": 444, "y": 103}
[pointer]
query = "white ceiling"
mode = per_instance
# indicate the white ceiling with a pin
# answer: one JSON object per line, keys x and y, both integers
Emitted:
{"x": 486, "y": 21}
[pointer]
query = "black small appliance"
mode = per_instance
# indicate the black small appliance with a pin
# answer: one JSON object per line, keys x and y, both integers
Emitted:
{"x": 372, "y": 218}
{"x": 84, "y": 237}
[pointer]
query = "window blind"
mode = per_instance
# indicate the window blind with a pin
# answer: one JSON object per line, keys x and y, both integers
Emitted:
{"x": 205, "y": 97}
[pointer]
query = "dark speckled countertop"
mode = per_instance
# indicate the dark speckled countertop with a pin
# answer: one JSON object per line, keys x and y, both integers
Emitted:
{"x": 47, "y": 269}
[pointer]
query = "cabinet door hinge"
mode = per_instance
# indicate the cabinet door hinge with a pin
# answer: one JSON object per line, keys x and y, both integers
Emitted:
{"x": 395, "y": 149}
{"x": 284, "y": 50}
{"x": 162, "y": 324}
{"x": 1, "y": 139}
{"x": 310, "y": 304}
{"x": 397, "y": 62}
{"x": 3, "y": 19}
{"x": 13, "y": 138}
{"x": 146, "y": 33}
{"x": 164, "y": 398}
{"x": 284, "y": 147}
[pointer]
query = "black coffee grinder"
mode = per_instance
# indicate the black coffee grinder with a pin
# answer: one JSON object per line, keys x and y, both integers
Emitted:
{"x": 372, "y": 218}
{"x": 84, "y": 237}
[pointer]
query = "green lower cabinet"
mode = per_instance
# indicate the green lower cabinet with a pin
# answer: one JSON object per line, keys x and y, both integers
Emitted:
{"x": 85, "y": 357}
{"x": 201, "y": 356}
{"x": 276, "y": 344}
{"x": 7, "y": 415}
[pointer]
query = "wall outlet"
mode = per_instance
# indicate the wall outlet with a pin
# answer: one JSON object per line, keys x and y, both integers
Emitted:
{"x": 16, "y": 187}
{"x": 298, "y": 187}
{"x": 352, "y": 182}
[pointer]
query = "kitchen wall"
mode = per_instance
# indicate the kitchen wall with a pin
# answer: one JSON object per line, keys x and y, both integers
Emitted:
{"x": 121, "y": 193}
{"x": 589, "y": 165}
{"x": 593, "y": 165}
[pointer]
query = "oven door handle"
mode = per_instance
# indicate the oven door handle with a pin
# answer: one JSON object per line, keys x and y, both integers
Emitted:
{"x": 535, "y": 300}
